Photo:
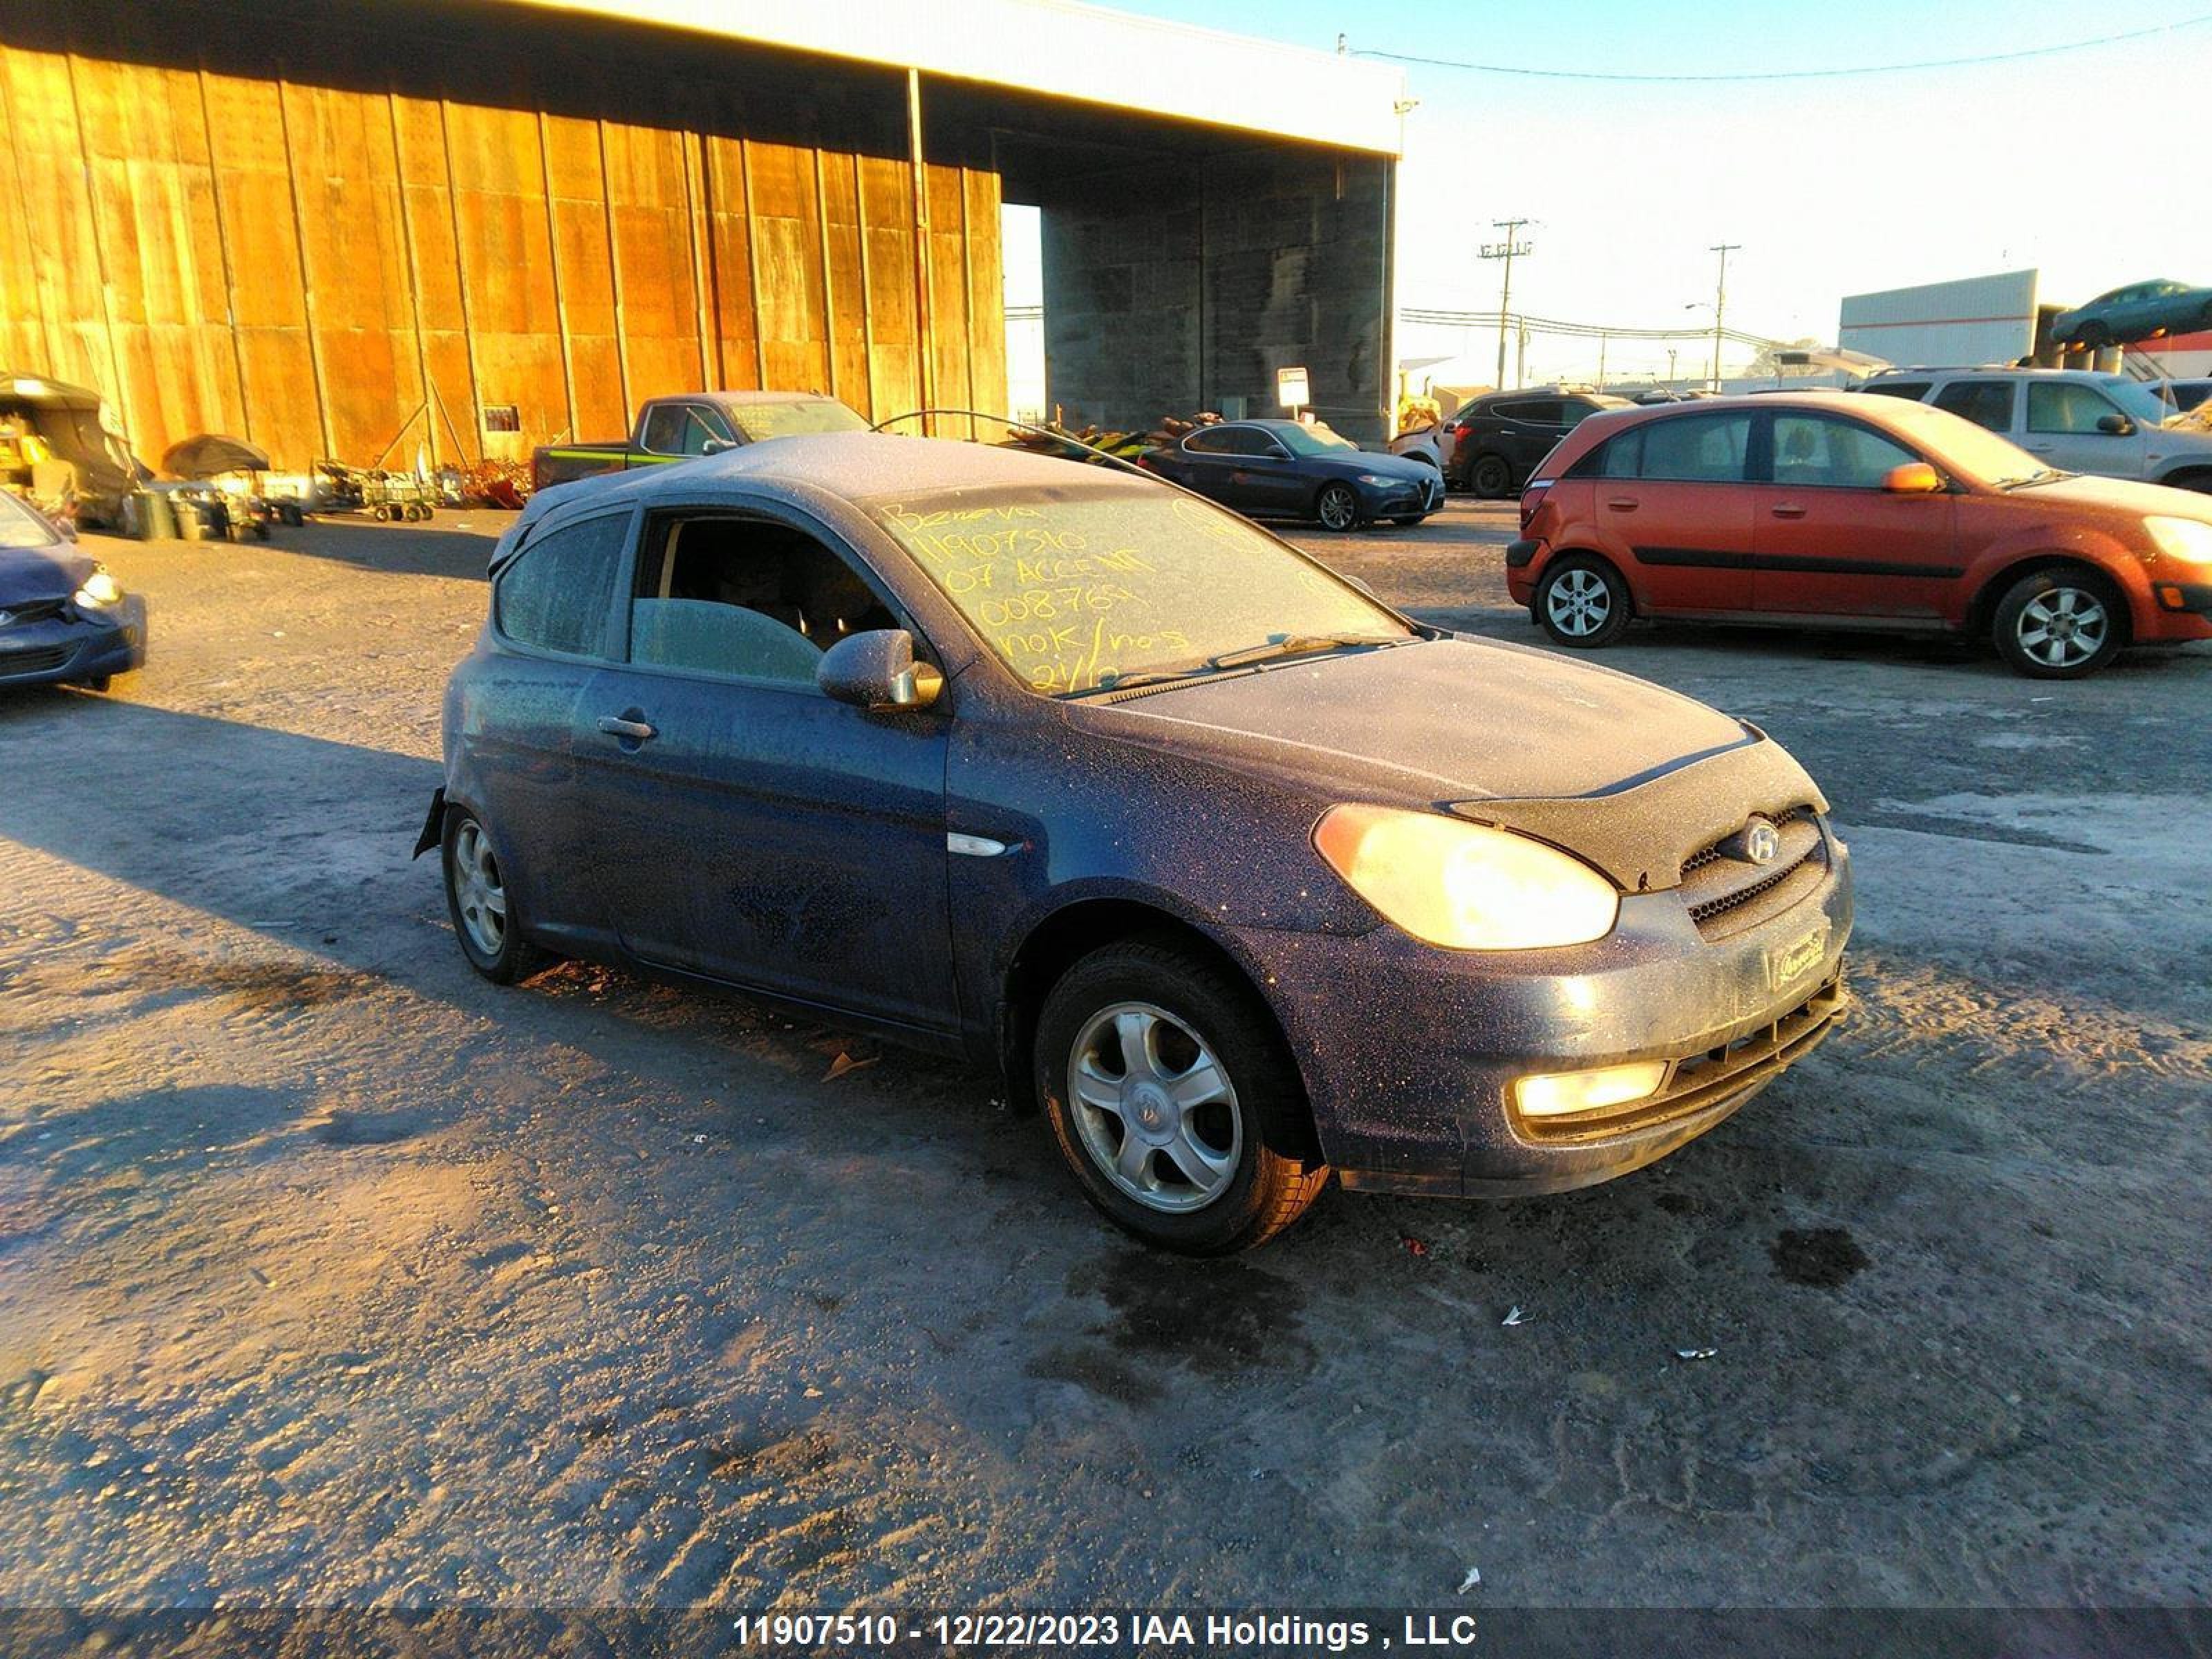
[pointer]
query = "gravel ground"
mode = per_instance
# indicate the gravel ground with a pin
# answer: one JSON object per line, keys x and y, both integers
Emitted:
{"x": 331, "y": 1275}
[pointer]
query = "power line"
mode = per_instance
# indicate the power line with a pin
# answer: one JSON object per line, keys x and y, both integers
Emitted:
{"x": 1439, "y": 317}
{"x": 1791, "y": 75}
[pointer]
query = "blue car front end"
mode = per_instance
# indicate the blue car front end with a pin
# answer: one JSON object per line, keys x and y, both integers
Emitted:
{"x": 64, "y": 620}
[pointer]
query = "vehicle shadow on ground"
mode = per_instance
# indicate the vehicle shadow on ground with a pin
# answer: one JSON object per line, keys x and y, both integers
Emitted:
{"x": 440, "y": 548}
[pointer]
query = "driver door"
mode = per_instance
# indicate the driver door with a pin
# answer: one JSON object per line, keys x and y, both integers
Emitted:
{"x": 747, "y": 827}
{"x": 2062, "y": 430}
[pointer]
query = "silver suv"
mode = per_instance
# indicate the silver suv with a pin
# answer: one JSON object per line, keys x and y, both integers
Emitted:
{"x": 2073, "y": 419}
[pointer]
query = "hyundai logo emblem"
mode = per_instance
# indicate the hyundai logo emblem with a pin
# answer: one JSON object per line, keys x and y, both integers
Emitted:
{"x": 1761, "y": 841}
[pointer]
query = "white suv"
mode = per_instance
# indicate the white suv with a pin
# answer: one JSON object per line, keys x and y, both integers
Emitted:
{"x": 2073, "y": 419}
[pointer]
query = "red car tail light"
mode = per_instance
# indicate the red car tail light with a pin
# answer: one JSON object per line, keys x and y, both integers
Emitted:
{"x": 1531, "y": 499}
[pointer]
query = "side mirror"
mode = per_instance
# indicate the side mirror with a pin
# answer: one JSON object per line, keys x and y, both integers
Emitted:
{"x": 1277, "y": 453}
{"x": 2119, "y": 426}
{"x": 877, "y": 672}
{"x": 1913, "y": 478}
{"x": 715, "y": 446}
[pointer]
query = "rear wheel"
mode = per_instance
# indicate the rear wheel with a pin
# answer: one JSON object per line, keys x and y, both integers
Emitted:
{"x": 2094, "y": 337}
{"x": 1582, "y": 603}
{"x": 1337, "y": 507}
{"x": 477, "y": 898}
{"x": 2058, "y": 624}
{"x": 1491, "y": 478}
{"x": 1174, "y": 1101}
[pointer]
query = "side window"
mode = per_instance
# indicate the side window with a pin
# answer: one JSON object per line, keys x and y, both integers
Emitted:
{"x": 1816, "y": 451}
{"x": 663, "y": 429}
{"x": 1704, "y": 449}
{"x": 1618, "y": 457}
{"x": 1916, "y": 390}
{"x": 2065, "y": 406}
{"x": 750, "y": 599}
{"x": 1535, "y": 411}
{"x": 1573, "y": 412}
{"x": 703, "y": 423}
{"x": 1986, "y": 403}
{"x": 556, "y": 594}
{"x": 1212, "y": 441}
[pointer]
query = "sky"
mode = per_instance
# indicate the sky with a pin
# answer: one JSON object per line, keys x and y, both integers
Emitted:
{"x": 2085, "y": 165}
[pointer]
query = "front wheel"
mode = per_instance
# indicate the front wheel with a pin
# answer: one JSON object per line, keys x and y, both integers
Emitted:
{"x": 1337, "y": 507}
{"x": 477, "y": 900}
{"x": 2058, "y": 624}
{"x": 1174, "y": 1101}
{"x": 1490, "y": 478}
{"x": 1582, "y": 603}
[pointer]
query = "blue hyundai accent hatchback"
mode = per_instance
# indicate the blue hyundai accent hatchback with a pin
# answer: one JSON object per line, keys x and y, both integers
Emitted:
{"x": 1246, "y": 880}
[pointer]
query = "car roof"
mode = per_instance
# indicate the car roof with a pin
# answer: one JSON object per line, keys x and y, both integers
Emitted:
{"x": 1933, "y": 373}
{"x": 736, "y": 399}
{"x": 862, "y": 465}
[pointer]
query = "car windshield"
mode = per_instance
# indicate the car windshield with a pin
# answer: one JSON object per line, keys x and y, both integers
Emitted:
{"x": 1084, "y": 587}
{"x": 1315, "y": 439}
{"x": 801, "y": 415}
{"x": 20, "y": 527}
{"x": 1962, "y": 446}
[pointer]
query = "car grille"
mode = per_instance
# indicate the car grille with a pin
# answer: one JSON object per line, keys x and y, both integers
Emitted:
{"x": 37, "y": 611}
{"x": 1725, "y": 895}
{"x": 1702, "y": 1081}
{"x": 44, "y": 661}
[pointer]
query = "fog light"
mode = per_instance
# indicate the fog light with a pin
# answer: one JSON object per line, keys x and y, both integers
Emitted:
{"x": 1557, "y": 1094}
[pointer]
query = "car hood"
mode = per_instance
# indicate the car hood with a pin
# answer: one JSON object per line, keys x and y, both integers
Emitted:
{"x": 1632, "y": 776}
{"x": 1382, "y": 466}
{"x": 30, "y": 574}
{"x": 2089, "y": 493}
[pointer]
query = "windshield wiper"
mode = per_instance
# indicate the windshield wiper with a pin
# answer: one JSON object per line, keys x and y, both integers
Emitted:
{"x": 1300, "y": 645}
{"x": 2042, "y": 475}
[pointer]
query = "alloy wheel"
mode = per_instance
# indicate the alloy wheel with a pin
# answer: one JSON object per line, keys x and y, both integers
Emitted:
{"x": 2063, "y": 628}
{"x": 1154, "y": 1108}
{"x": 1579, "y": 603}
{"x": 1337, "y": 507}
{"x": 478, "y": 895}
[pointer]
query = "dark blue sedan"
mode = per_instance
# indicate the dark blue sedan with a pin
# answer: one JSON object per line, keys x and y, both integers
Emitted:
{"x": 64, "y": 620}
{"x": 1243, "y": 879}
{"x": 1288, "y": 469}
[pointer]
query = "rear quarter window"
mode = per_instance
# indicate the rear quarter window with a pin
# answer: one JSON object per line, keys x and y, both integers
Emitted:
{"x": 1914, "y": 389}
{"x": 558, "y": 592}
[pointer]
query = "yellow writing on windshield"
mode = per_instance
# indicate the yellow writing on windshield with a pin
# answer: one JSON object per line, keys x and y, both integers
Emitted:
{"x": 1064, "y": 613}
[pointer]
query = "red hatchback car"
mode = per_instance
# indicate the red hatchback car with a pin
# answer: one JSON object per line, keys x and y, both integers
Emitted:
{"x": 1828, "y": 510}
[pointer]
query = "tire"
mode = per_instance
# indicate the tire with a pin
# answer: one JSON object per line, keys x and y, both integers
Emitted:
{"x": 2059, "y": 624}
{"x": 2200, "y": 481}
{"x": 1582, "y": 603}
{"x": 1337, "y": 507}
{"x": 1246, "y": 1139}
{"x": 491, "y": 940}
{"x": 2094, "y": 337}
{"x": 1489, "y": 477}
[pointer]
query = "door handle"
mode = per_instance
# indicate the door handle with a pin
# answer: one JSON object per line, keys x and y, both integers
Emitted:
{"x": 615, "y": 727}
{"x": 1789, "y": 510}
{"x": 1623, "y": 504}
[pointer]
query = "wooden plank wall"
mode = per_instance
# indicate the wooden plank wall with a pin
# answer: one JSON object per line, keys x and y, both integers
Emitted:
{"x": 332, "y": 271}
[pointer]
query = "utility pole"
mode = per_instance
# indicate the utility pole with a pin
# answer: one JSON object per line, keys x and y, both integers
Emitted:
{"x": 1505, "y": 251}
{"x": 1720, "y": 304}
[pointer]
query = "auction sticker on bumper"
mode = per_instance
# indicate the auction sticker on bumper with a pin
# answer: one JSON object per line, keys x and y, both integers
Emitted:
{"x": 1786, "y": 964}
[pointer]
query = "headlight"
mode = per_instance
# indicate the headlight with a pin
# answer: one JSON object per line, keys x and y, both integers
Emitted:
{"x": 2189, "y": 540}
{"x": 1380, "y": 481}
{"x": 100, "y": 591}
{"x": 1463, "y": 886}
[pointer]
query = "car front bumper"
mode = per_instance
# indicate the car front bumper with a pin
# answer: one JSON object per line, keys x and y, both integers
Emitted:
{"x": 1401, "y": 499}
{"x": 1410, "y": 1053}
{"x": 70, "y": 648}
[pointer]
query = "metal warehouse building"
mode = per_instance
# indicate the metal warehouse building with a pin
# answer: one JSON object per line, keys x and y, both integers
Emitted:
{"x": 474, "y": 225}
